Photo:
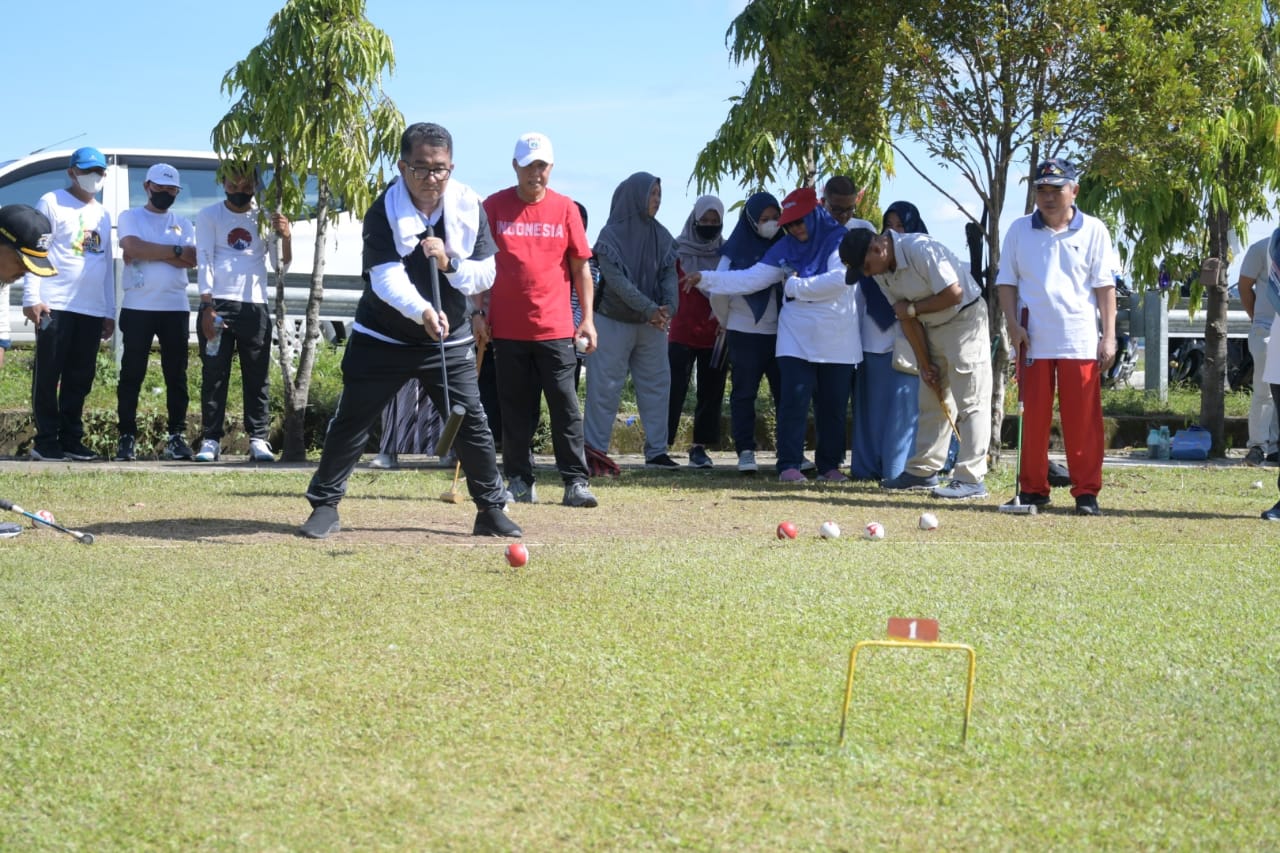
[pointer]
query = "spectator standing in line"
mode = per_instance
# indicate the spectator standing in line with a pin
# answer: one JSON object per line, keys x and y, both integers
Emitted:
{"x": 1060, "y": 265}
{"x": 232, "y": 274}
{"x": 159, "y": 247}
{"x": 636, "y": 303}
{"x": 542, "y": 252}
{"x": 886, "y": 407}
{"x": 751, "y": 319}
{"x": 73, "y": 310}
{"x": 696, "y": 341}
{"x": 25, "y": 235}
{"x": 410, "y": 424}
{"x": 819, "y": 342}
{"x": 1264, "y": 430}
{"x": 398, "y": 327}
{"x": 1271, "y": 372}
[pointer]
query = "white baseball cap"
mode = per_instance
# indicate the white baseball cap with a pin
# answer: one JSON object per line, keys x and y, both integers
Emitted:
{"x": 164, "y": 175}
{"x": 533, "y": 146}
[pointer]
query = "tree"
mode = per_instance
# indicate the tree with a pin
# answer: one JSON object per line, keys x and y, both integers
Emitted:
{"x": 309, "y": 103}
{"x": 788, "y": 123}
{"x": 1221, "y": 170}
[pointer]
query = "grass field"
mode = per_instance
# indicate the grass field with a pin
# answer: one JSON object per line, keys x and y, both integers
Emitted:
{"x": 664, "y": 673}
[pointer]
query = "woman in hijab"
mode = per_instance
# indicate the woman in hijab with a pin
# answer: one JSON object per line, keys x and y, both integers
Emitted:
{"x": 751, "y": 321}
{"x": 635, "y": 302}
{"x": 695, "y": 333}
{"x": 818, "y": 336}
{"x": 886, "y": 405}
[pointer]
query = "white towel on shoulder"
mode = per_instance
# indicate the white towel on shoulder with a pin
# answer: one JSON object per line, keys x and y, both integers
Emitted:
{"x": 461, "y": 215}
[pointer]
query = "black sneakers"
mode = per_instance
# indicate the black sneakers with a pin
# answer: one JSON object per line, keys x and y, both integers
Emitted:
{"x": 322, "y": 524}
{"x": 494, "y": 522}
{"x": 698, "y": 457}
{"x": 127, "y": 449}
{"x": 663, "y": 461}
{"x": 77, "y": 451}
{"x": 1088, "y": 505}
{"x": 177, "y": 448}
{"x": 1031, "y": 499}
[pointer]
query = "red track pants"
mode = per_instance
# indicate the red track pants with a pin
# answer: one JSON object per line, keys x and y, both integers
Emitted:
{"x": 1079, "y": 387}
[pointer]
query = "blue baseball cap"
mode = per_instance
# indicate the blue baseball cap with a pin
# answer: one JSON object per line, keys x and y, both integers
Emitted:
{"x": 1056, "y": 172}
{"x": 88, "y": 158}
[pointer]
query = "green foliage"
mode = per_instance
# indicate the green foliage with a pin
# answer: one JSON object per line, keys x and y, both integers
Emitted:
{"x": 797, "y": 115}
{"x": 1161, "y": 180}
{"x": 309, "y": 101}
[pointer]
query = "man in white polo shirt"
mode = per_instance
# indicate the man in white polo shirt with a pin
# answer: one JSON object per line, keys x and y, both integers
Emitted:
{"x": 159, "y": 247}
{"x": 1060, "y": 266}
{"x": 945, "y": 319}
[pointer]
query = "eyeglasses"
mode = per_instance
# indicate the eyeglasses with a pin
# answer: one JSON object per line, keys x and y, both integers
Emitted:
{"x": 840, "y": 211}
{"x": 435, "y": 173}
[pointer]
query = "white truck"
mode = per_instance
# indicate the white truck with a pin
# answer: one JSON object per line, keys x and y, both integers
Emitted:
{"x": 24, "y": 180}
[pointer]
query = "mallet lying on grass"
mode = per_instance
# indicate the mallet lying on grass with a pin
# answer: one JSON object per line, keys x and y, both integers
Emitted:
{"x": 85, "y": 538}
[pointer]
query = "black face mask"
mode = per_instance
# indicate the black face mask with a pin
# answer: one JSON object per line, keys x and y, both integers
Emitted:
{"x": 707, "y": 232}
{"x": 162, "y": 200}
{"x": 240, "y": 199}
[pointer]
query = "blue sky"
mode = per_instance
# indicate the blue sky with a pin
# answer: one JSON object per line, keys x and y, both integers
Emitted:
{"x": 618, "y": 87}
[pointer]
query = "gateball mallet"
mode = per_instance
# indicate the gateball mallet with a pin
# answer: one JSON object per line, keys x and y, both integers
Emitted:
{"x": 452, "y": 496}
{"x": 454, "y": 423}
{"x": 1016, "y": 506}
{"x": 81, "y": 536}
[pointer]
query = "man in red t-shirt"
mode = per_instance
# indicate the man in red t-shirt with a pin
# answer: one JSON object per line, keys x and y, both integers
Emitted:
{"x": 542, "y": 250}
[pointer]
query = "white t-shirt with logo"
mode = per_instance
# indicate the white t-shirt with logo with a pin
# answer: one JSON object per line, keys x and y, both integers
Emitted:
{"x": 231, "y": 254}
{"x": 81, "y": 252}
{"x": 1057, "y": 274}
{"x": 156, "y": 285}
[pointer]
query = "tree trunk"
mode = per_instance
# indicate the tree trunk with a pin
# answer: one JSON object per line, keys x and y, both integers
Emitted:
{"x": 1213, "y": 277}
{"x": 297, "y": 383}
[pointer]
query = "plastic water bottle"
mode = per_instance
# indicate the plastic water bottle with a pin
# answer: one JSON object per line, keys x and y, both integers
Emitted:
{"x": 1166, "y": 443}
{"x": 214, "y": 344}
{"x": 1153, "y": 444}
{"x": 137, "y": 276}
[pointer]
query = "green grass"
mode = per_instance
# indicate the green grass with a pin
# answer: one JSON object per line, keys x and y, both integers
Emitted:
{"x": 664, "y": 674}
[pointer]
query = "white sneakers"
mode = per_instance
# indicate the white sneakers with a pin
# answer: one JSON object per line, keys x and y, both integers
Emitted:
{"x": 209, "y": 451}
{"x": 260, "y": 450}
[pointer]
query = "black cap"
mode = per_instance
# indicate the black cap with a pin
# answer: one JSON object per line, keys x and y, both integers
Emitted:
{"x": 853, "y": 252}
{"x": 27, "y": 230}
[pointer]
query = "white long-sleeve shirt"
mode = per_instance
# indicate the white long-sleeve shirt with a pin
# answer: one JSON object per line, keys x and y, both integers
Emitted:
{"x": 818, "y": 321}
{"x": 231, "y": 254}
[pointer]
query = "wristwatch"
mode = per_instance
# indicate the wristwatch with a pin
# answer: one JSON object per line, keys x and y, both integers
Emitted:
{"x": 911, "y": 309}
{"x": 453, "y": 266}
{"x": 479, "y": 312}
{"x": 177, "y": 251}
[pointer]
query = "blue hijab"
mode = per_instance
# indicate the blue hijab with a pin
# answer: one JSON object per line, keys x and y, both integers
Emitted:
{"x": 810, "y": 257}
{"x": 745, "y": 246}
{"x": 910, "y": 216}
{"x": 878, "y": 308}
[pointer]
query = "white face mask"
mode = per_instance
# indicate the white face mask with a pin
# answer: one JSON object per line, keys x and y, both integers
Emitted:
{"x": 90, "y": 182}
{"x": 768, "y": 229}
